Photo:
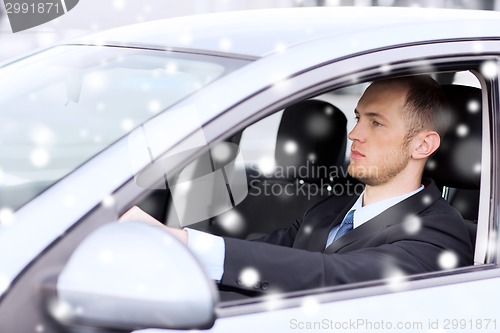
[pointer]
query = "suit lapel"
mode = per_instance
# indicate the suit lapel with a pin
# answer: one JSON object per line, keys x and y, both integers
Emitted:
{"x": 317, "y": 241}
{"x": 393, "y": 215}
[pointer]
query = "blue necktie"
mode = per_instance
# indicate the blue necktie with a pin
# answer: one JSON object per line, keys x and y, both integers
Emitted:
{"x": 345, "y": 227}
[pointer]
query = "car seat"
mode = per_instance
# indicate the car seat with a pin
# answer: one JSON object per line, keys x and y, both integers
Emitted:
{"x": 456, "y": 166}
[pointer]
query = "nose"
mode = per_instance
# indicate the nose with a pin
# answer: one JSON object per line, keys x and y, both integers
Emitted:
{"x": 356, "y": 134}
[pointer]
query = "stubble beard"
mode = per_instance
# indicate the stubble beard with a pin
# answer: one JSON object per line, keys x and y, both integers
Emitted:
{"x": 389, "y": 168}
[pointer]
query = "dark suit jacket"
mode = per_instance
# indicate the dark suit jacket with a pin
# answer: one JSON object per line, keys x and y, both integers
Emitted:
{"x": 294, "y": 258}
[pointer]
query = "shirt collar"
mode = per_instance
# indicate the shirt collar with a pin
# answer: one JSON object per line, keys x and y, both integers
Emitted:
{"x": 363, "y": 214}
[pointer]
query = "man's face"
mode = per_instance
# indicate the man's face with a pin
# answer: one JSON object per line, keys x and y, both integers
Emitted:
{"x": 379, "y": 150}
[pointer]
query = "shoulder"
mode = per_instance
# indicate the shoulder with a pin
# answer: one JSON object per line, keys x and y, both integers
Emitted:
{"x": 443, "y": 215}
{"x": 438, "y": 207}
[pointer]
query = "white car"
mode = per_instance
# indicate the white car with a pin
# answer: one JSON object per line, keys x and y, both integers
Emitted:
{"x": 186, "y": 119}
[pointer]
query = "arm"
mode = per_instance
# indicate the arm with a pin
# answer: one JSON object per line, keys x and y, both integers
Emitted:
{"x": 283, "y": 237}
{"x": 392, "y": 253}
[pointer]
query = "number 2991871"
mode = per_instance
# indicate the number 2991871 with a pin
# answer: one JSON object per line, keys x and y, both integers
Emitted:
{"x": 32, "y": 8}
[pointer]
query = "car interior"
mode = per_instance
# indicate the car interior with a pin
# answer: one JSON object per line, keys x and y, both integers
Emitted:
{"x": 298, "y": 156}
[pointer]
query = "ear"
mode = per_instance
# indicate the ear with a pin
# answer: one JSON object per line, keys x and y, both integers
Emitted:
{"x": 425, "y": 143}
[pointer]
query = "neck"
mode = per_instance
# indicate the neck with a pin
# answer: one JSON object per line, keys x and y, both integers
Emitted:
{"x": 397, "y": 186}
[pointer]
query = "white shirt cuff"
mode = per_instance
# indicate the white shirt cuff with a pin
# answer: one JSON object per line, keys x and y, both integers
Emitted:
{"x": 210, "y": 251}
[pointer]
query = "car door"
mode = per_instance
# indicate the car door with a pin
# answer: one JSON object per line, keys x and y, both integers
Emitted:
{"x": 405, "y": 299}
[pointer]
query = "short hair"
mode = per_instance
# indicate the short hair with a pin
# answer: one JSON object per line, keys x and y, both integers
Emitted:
{"x": 426, "y": 106}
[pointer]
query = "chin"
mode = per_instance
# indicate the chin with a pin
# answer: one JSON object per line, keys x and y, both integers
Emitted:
{"x": 359, "y": 171}
{"x": 364, "y": 175}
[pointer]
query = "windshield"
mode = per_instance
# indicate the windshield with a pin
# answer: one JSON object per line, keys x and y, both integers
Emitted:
{"x": 60, "y": 107}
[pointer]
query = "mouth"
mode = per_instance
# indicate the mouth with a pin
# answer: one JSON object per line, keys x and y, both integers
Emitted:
{"x": 356, "y": 154}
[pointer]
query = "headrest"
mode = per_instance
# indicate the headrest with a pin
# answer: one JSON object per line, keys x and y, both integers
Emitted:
{"x": 311, "y": 134}
{"x": 457, "y": 162}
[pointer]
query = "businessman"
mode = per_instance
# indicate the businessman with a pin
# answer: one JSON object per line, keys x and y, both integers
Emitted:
{"x": 398, "y": 226}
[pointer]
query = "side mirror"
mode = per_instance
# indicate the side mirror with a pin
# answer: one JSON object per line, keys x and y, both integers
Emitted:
{"x": 132, "y": 275}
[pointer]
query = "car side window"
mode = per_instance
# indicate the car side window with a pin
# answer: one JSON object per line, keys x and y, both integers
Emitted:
{"x": 284, "y": 179}
{"x": 290, "y": 186}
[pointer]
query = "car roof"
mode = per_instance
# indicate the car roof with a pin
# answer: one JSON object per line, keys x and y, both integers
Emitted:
{"x": 257, "y": 33}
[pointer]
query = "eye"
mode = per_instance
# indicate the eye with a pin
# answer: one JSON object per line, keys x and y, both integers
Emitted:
{"x": 356, "y": 118}
{"x": 376, "y": 123}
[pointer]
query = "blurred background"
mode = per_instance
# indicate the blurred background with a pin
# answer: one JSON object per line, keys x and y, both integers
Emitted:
{"x": 97, "y": 15}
